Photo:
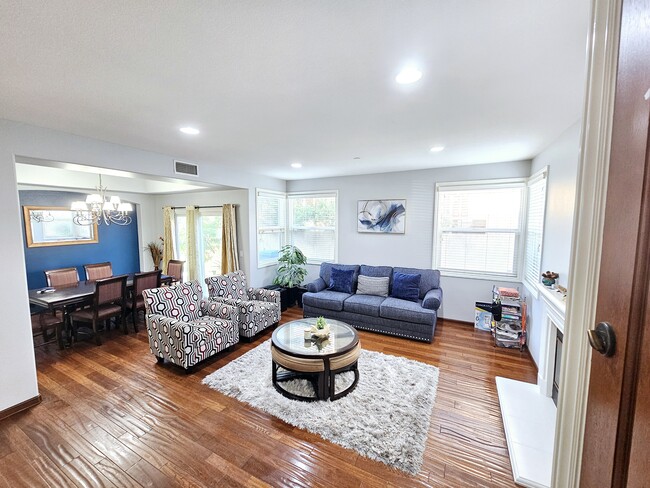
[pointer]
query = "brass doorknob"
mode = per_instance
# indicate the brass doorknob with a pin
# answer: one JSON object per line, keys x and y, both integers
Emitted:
{"x": 603, "y": 339}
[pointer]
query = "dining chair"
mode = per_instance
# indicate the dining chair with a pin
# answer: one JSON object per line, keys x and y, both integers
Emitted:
{"x": 141, "y": 282}
{"x": 44, "y": 323}
{"x": 98, "y": 271}
{"x": 61, "y": 276}
{"x": 175, "y": 270}
{"x": 109, "y": 300}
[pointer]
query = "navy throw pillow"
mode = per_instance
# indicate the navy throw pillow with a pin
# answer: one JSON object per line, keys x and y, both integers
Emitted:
{"x": 406, "y": 286}
{"x": 342, "y": 280}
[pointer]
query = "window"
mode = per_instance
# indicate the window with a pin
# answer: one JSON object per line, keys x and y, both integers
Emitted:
{"x": 312, "y": 225}
{"x": 208, "y": 241}
{"x": 535, "y": 229}
{"x": 209, "y": 234}
{"x": 180, "y": 239}
{"x": 305, "y": 220}
{"x": 479, "y": 228}
{"x": 271, "y": 226}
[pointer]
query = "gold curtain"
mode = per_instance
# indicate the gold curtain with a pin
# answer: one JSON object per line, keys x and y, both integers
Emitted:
{"x": 229, "y": 257}
{"x": 168, "y": 236}
{"x": 192, "y": 245}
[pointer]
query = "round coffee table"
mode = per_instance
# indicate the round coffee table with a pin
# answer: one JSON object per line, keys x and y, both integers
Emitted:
{"x": 317, "y": 360}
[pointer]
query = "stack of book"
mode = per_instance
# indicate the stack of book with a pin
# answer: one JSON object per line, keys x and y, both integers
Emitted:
{"x": 510, "y": 331}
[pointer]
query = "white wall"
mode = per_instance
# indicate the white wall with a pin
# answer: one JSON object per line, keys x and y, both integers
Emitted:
{"x": 17, "y": 366}
{"x": 415, "y": 247}
{"x": 562, "y": 160}
{"x": 16, "y": 347}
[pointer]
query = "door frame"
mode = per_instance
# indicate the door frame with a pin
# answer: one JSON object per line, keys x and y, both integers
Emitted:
{"x": 602, "y": 50}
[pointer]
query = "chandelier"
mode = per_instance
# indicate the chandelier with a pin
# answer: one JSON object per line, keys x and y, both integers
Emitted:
{"x": 99, "y": 208}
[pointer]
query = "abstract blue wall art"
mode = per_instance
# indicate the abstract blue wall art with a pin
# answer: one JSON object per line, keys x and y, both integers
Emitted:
{"x": 381, "y": 216}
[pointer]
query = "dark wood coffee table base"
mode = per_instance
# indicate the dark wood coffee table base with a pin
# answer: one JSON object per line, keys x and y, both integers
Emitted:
{"x": 317, "y": 370}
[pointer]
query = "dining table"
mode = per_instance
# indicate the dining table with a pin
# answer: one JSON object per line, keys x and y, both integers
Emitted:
{"x": 66, "y": 297}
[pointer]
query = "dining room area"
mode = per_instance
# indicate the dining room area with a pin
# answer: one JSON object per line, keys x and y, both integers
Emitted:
{"x": 83, "y": 266}
{"x": 91, "y": 251}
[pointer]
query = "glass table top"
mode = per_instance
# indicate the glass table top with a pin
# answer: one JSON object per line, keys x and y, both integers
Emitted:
{"x": 290, "y": 337}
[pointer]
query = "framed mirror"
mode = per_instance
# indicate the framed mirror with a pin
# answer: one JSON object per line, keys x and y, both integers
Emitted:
{"x": 53, "y": 226}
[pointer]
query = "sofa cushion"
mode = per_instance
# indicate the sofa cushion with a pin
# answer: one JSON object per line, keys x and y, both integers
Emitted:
{"x": 363, "y": 304}
{"x": 406, "y": 286}
{"x": 430, "y": 278}
{"x": 326, "y": 269}
{"x": 326, "y": 299}
{"x": 406, "y": 311}
{"x": 367, "y": 285}
{"x": 376, "y": 271}
{"x": 342, "y": 280}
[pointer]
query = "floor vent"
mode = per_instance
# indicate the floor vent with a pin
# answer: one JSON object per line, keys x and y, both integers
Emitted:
{"x": 183, "y": 168}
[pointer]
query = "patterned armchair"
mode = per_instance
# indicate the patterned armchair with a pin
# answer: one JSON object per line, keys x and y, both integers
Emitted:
{"x": 186, "y": 329}
{"x": 258, "y": 308}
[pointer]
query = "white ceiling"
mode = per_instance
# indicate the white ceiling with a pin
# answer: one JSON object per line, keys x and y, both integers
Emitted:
{"x": 269, "y": 83}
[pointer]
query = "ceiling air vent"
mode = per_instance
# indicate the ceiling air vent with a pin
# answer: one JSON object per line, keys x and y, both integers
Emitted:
{"x": 183, "y": 168}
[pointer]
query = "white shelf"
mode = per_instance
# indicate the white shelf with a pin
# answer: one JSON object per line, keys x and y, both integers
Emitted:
{"x": 529, "y": 424}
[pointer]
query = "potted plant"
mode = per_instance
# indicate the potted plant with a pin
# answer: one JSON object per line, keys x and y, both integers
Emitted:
{"x": 290, "y": 274}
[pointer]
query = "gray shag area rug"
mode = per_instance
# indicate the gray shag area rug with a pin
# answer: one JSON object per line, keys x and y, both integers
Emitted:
{"x": 385, "y": 418}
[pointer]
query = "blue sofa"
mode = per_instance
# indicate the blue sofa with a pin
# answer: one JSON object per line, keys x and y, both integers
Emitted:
{"x": 387, "y": 315}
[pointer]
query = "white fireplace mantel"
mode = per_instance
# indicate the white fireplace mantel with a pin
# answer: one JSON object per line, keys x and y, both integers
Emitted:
{"x": 555, "y": 305}
{"x": 528, "y": 410}
{"x": 554, "y": 317}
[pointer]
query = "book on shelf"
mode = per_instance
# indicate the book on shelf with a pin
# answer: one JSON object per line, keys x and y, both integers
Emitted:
{"x": 508, "y": 292}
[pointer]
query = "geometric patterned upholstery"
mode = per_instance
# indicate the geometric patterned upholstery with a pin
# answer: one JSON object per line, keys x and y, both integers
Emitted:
{"x": 258, "y": 308}
{"x": 186, "y": 329}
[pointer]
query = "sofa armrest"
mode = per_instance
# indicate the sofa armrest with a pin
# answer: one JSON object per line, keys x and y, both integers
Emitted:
{"x": 433, "y": 299}
{"x": 316, "y": 285}
{"x": 264, "y": 295}
{"x": 219, "y": 309}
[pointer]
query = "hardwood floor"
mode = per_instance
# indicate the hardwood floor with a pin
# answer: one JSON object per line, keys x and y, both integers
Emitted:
{"x": 111, "y": 416}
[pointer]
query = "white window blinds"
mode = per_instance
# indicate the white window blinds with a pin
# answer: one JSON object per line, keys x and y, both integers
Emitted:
{"x": 271, "y": 226}
{"x": 479, "y": 228}
{"x": 312, "y": 225}
{"x": 535, "y": 229}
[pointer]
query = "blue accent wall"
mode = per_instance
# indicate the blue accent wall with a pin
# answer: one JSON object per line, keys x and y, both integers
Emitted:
{"x": 117, "y": 244}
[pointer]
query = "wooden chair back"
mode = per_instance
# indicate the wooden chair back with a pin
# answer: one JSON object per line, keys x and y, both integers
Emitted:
{"x": 144, "y": 281}
{"x": 175, "y": 269}
{"x": 110, "y": 290}
{"x": 61, "y": 277}
{"x": 98, "y": 271}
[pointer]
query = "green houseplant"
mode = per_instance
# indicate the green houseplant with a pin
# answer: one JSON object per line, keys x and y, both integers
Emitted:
{"x": 291, "y": 272}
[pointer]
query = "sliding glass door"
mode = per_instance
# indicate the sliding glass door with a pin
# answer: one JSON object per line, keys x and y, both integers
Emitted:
{"x": 208, "y": 245}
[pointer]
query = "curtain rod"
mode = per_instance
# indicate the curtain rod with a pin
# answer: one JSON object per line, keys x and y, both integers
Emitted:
{"x": 204, "y": 206}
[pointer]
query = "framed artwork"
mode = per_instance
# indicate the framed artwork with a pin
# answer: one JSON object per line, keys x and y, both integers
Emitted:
{"x": 381, "y": 216}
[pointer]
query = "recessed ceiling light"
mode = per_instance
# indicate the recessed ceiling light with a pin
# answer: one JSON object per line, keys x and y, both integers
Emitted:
{"x": 408, "y": 75}
{"x": 435, "y": 149}
{"x": 189, "y": 130}
{"x": 296, "y": 165}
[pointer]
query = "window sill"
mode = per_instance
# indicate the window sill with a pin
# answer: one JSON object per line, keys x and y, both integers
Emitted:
{"x": 478, "y": 276}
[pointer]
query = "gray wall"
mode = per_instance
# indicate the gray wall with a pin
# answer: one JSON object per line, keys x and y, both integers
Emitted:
{"x": 415, "y": 247}
{"x": 562, "y": 159}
